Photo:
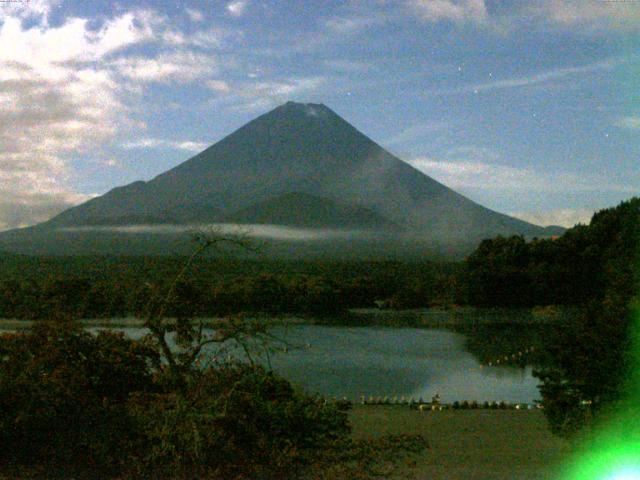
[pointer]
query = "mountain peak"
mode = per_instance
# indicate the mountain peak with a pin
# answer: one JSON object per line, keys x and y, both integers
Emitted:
{"x": 313, "y": 110}
{"x": 302, "y": 105}
{"x": 335, "y": 171}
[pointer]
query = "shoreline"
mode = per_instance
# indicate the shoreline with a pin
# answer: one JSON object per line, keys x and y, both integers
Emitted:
{"x": 363, "y": 317}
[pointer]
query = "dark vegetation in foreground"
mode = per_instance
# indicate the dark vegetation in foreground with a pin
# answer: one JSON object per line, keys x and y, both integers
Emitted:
{"x": 592, "y": 357}
{"x": 83, "y": 405}
{"x": 588, "y": 356}
{"x": 73, "y": 403}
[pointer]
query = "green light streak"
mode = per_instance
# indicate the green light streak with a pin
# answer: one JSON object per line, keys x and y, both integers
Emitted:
{"x": 612, "y": 450}
{"x": 616, "y": 460}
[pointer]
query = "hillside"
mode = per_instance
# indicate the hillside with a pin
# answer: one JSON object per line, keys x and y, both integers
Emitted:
{"x": 304, "y": 210}
{"x": 300, "y": 165}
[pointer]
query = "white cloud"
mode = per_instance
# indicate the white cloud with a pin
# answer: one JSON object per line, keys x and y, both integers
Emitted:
{"x": 451, "y": 10}
{"x": 128, "y": 29}
{"x": 544, "y": 77}
{"x": 67, "y": 89}
{"x": 211, "y": 38}
{"x": 172, "y": 37}
{"x": 478, "y": 172}
{"x": 178, "y": 67}
{"x": 30, "y": 194}
{"x": 112, "y": 162}
{"x": 49, "y": 120}
{"x": 27, "y": 207}
{"x": 631, "y": 122}
{"x": 46, "y": 50}
{"x": 264, "y": 231}
{"x": 259, "y": 95}
{"x": 188, "y": 146}
{"x": 28, "y": 9}
{"x": 590, "y": 14}
{"x": 194, "y": 15}
{"x": 191, "y": 146}
{"x": 565, "y": 217}
{"x": 348, "y": 25}
{"x": 507, "y": 17}
{"x": 283, "y": 89}
{"x": 530, "y": 80}
{"x": 61, "y": 96}
{"x": 237, "y": 7}
{"x": 484, "y": 176}
{"x": 218, "y": 85}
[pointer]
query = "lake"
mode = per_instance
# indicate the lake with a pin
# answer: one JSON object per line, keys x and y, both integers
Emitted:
{"x": 382, "y": 361}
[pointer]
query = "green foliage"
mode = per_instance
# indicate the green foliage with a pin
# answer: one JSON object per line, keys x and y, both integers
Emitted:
{"x": 497, "y": 272}
{"x": 509, "y": 272}
{"x": 590, "y": 267}
{"x": 591, "y": 354}
{"x": 111, "y": 287}
{"x": 238, "y": 422}
{"x": 78, "y": 404}
{"x": 64, "y": 394}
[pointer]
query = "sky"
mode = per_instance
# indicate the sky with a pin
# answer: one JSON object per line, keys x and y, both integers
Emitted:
{"x": 528, "y": 107}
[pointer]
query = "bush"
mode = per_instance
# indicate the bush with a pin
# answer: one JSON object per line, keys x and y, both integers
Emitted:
{"x": 76, "y": 404}
{"x": 237, "y": 421}
{"x": 64, "y": 394}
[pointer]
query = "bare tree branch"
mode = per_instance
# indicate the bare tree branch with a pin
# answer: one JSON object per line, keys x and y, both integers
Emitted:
{"x": 157, "y": 309}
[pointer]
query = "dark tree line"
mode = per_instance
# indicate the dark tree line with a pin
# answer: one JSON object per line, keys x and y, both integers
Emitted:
{"x": 568, "y": 270}
{"x": 79, "y": 405}
{"x": 594, "y": 267}
{"x": 320, "y": 289}
{"x": 593, "y": 353}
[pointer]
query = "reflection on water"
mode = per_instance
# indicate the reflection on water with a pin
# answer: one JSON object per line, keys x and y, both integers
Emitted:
{"x": 378, "y": 361}
{"x": 397, "y": 362}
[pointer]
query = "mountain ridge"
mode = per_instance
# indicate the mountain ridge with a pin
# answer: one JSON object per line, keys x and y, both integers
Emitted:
{"x": 309, "y": 150}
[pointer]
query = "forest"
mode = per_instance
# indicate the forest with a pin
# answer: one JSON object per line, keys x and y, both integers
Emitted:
{"x": 501, "y": 272}
{"x": 66, "y": 394}
{"x": 112, "y": 287}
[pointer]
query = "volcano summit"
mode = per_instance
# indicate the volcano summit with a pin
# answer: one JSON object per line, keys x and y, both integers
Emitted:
{"x": 299, "y": 166}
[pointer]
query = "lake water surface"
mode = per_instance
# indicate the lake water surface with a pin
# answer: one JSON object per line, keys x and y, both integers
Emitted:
{"x": 381, "y": 361}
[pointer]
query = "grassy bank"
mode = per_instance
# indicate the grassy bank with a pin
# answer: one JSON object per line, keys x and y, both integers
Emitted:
{"x": 470, "y": 444}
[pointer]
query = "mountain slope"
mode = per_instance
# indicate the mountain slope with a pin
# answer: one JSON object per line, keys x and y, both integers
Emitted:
{"x": 304, "y": 210}
{"x": 309, "y": 150}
